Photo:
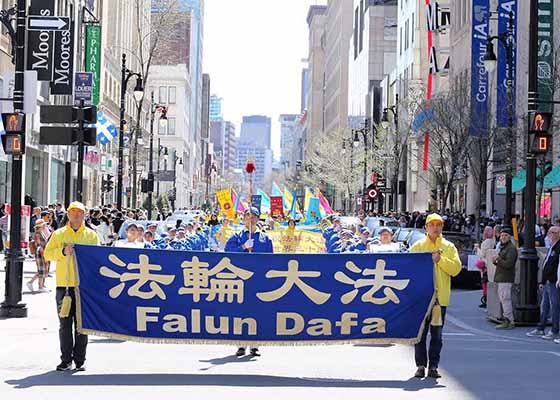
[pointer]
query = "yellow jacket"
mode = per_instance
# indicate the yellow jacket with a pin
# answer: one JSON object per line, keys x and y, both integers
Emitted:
{"x": 448, "y": 266}
{"x": 65, "y": 275}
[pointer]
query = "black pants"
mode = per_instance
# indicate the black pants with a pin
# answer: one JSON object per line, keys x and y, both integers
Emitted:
{"x": 422, "y": 356}
{"x": 72, "y": 344}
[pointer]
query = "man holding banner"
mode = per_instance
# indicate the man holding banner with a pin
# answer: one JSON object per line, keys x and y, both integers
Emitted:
{"x": 446, "y": 264}
{"x": 249, "y": 240}
{"x": 60, "y": 248}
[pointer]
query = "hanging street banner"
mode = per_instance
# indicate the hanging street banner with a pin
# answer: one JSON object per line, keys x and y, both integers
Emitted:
{"x": 479, "y": 75}
{"x": 40, "y": 44}
{"x": 83, "y": 85}
{"x": 502, "y": 99}
{"x": 545, "y": 68}
{"x": 93, "y": 58}
{"x": 63, "y": 74}
{"x": 251, "y": 298}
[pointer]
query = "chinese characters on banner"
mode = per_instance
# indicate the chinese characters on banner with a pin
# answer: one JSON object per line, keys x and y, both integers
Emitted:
{"x": 187, "y": 297}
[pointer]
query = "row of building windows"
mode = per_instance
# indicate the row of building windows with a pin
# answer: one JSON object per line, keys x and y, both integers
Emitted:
{"x": 406, "y": 38}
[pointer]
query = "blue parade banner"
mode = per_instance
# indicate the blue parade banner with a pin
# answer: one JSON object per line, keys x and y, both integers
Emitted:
{"x": 502, "y": 100}
{"x": 235, "y": 298}
{"x": 479, "y": 75}
{"x": 313, "y": 212}
{"x": 256, "y": 201}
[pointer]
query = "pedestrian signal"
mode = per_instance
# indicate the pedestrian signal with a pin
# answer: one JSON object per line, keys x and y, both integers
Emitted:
{"x": 540, "y": 121}
{"x": 542, "y": 143}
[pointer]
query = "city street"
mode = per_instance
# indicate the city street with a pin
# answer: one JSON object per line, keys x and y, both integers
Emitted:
{"x": 478, "y": 362}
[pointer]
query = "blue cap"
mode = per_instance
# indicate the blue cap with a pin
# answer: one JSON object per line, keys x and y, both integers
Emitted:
{"x": 364, "y": 230}
{"x": 252, "y": 210}
{"x": 131, "y": 226}
{"x": 152, "y": 224}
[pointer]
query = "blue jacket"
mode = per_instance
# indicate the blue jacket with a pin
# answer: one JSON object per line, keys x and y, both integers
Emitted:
{"x": 262, "y": 243}
{"x": 358, "y": 246}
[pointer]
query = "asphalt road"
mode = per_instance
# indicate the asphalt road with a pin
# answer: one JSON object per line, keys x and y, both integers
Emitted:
{"x": 478, "y": 362}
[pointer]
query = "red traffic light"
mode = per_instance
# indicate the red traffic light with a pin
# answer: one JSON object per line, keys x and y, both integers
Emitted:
{"x": 14, "y": 122}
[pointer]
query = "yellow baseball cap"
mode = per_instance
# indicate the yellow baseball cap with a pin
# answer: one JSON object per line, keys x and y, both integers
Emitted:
{"x": 76, "y": 205}
{"x": 434, "y": 218}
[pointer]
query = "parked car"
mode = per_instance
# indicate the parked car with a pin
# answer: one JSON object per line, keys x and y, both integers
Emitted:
{"x": 465, "y": 245}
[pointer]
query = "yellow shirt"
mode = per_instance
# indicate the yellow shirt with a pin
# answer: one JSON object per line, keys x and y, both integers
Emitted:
{"x": 448, "y": 266}
{"x": 65, "y": 275}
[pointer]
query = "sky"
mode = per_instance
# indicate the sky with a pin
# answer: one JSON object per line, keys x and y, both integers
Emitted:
{"x": 253, "y": 51}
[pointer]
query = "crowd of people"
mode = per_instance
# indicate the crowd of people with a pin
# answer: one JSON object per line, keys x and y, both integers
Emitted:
{"x": 54, "y": 230}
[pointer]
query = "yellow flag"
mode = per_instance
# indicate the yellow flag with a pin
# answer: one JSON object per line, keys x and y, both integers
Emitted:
{"x": 224, "y": 199}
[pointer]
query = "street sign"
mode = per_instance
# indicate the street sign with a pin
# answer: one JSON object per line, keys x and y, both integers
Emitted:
{"x": 66, "y": 114}
{"x": 372, "y": 193}
{"x": 93, "y": 58}
{"x": 63, "y": 78}
{"x": 500, "y": 181}
{"x": 50, "y": 23}
{"x": 83, "y": 87}
{"x": 166, "y": 176}
{"x": 40, "y": 44}
{"x": 60, "y": 135}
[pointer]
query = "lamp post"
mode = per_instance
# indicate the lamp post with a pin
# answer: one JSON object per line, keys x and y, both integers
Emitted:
{"x": 126, "y": 74}
{"x": 154, "y": 108}
{"x": 178, "y": 160}
{"x": 385, "y": 120}
{"x": 350, "y": 143}
{"x": 364, "y": 131}
{"x": 528, "y": 310}
{"x": 507, "y": 39}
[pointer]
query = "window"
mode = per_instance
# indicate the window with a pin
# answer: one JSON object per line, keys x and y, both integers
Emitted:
{"x": 406, "y": 33}
{"x": 172, "y": 94}
{"x": 400, "y": 41}
{"x": 356, "y": 27}
{"x": 171, "y": 125}
{"x": 162, "y": 95}
{"x": 412, "y": 30}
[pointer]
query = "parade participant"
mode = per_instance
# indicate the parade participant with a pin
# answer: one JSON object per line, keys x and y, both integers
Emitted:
{"x": 131, "y": 236}
{"x": 152, "y": 227}
{"x": 149, "y": 240}
{"x": 40, "y": 238}
{"x": 341, "y": 245}
{"x": 60, "y": 248}
{"x": 171, "y": 232}
{"x": 505, "y": 275}
{"x": 249, "y": 240}
{"x": 363, "y": 243}
{"x": 385, "y": 244}
{"x": 446, "y": 264}
{"x": 140, "y": 235}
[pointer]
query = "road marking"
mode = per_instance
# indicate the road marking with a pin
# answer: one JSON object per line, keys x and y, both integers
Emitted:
{"x": 458, "y": 334}
{"x": 554, "y": 353}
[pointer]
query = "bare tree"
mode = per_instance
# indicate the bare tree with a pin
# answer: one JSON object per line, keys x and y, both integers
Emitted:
{"x": 150, "y": 29}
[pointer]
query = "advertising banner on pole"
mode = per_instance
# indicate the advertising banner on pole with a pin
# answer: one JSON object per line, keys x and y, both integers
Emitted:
{"x": 504, "y": 80}
{"x": 93, "y": 59}
{"x": 276, "y": 206}
{"x": 545, "y": 69}
{"x": 479, "y": 75}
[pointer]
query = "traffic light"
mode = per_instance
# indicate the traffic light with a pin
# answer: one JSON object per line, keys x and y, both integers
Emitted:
{"x": 539, "y": 125}
{"x": 13, "y": 140}
{"x": 108, "y": 184}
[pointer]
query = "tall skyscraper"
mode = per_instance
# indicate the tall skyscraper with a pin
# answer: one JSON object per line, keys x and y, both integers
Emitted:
{"x": 288, "y": 126}
{"x": 215, "y": 108}
{"x": 256, "y": 131}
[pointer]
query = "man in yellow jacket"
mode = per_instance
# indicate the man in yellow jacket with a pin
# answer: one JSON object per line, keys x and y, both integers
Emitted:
{"x": 446, "y": 264}
{"x": 60, "y": 249}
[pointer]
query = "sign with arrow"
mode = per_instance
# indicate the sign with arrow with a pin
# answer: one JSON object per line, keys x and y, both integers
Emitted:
{"x": 52, "y": 23}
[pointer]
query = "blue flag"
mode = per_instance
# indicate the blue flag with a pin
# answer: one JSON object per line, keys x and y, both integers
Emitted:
{"x": 106, "y": 131}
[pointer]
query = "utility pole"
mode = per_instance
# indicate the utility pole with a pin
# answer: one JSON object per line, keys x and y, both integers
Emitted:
{"x": 528, "y": 310}
{"x": 11, "y": 307}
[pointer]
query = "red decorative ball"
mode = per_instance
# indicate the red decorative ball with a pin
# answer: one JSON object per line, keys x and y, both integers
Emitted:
{"x": 250, "y": 168}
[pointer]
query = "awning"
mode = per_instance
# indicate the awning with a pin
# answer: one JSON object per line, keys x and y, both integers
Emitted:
{"x": 517, "y": 183}
{"x": 552, "y": 179}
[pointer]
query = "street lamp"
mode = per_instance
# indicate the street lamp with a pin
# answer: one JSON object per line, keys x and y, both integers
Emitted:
{"x": 126, "y": 74}
{"x": 490, "y": 63}
{"x": 394, "y": 109}
{"x": 154, "y": 108}
{"x": 178, "y": 160}
{"x": 364, "y": 131}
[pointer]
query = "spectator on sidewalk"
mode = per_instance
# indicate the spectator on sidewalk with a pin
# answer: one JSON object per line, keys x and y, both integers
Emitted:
{"x": 550, "y": 302}
{"x": 60, "y": 248}
{"x": 505, "y": 275}
{"x": 40, "y": 237}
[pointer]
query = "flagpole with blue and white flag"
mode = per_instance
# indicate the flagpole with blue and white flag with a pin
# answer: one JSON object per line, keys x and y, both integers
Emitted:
{"x": 106, "y": 131}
